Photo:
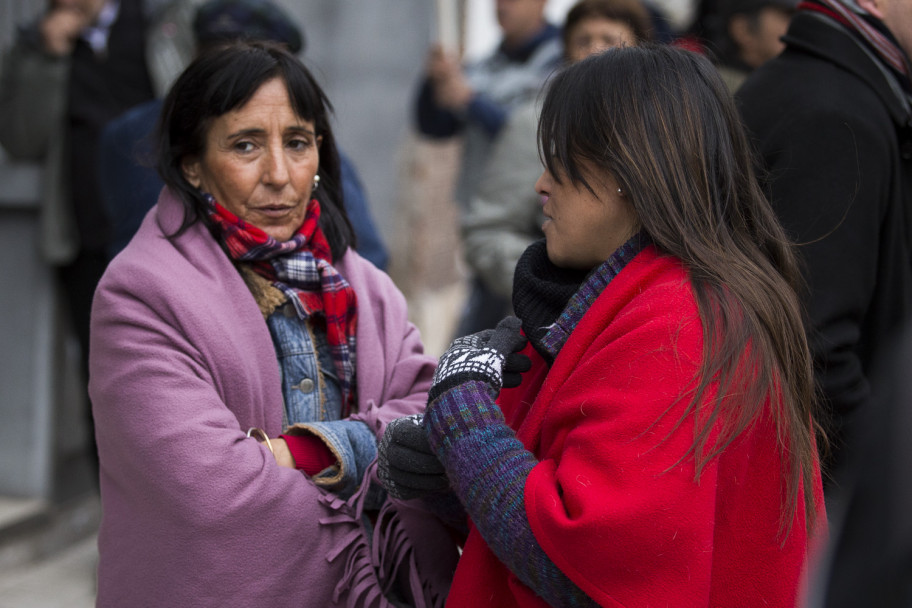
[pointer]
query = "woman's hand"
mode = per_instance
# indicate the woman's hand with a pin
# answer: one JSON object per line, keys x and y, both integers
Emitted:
{"x": 490, "y": 356}
{"x": 406, "y": 464}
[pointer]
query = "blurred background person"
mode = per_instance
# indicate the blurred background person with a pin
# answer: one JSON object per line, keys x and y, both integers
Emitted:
{"x": 239, "y": 305}
{"x": 742, "y": 35}
{"x": 475, "y": 101}
{"x": 830, "y": 117}
{"x": 504, "y": 215}
{"x": 76, "y": 67}
{"x": 129, "y": 185}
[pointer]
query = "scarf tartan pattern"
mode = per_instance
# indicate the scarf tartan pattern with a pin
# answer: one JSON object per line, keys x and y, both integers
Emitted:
{"x": 301, "y": 268}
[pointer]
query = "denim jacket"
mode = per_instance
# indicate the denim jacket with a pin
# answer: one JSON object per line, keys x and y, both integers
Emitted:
{"x": 313, "y": 400}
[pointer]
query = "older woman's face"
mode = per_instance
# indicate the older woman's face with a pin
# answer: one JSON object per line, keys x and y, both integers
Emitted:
{"x": 259, "y": 162}
{"x": 583, "y": 229}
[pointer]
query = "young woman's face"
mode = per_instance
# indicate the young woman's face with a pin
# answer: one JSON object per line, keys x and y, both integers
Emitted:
{"x": 259, "y": 162}
{"x": 596, "y": 34}
{"x": 583, "y": 229}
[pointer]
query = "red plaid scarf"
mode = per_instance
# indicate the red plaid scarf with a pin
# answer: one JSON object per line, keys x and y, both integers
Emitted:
{"x": 300, "y": 267}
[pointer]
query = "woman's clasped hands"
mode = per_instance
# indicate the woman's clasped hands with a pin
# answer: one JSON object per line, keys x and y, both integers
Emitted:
{"x": 407, "y": 465}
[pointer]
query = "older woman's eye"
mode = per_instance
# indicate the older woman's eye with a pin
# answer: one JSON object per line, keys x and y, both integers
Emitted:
{"x": 299, "y": 144}
{"x": 243, "y": 146}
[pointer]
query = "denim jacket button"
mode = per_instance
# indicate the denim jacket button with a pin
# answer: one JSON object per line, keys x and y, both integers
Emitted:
{"x": 305, "y": 386}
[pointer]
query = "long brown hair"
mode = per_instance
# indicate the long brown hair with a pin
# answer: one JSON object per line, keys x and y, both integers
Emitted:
{"x": 661, "y": 122}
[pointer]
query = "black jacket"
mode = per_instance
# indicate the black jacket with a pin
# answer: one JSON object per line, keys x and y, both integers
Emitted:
{"x": 835, "y": 136}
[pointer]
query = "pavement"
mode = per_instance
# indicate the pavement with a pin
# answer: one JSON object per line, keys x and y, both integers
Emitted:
{"x": 64, "y": 580}
{"x": 48, "y": 553}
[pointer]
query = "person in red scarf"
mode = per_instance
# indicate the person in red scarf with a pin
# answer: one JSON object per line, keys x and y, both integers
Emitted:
{"x": 244, "y": 362}
{"x": 660, "y": 448}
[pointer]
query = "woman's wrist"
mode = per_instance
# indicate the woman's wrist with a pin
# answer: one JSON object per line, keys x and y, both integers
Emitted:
{"x": 308, "y": 453}
{"x": 282, "y": 453}
{"x": 277, "y": 447}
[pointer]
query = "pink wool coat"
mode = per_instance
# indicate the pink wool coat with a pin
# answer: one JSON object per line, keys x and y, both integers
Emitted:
{"x": 195, "y": 513}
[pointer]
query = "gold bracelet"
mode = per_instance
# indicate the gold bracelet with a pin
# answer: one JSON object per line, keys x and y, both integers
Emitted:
{"x": 252, "y": 430}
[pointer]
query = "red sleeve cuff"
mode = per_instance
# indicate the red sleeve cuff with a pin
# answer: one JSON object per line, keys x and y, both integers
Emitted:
{"x": 310, "y": 454}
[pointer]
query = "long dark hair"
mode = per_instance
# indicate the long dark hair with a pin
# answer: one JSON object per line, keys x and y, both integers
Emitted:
{"x": 661, "y": 122}
{"x": 224, "y": 78}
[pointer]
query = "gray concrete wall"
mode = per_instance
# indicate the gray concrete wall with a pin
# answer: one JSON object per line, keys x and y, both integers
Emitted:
{"x": 27, "y": 341}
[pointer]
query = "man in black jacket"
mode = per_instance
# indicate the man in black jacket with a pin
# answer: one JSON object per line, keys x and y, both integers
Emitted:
{"x": 831, "y": 117}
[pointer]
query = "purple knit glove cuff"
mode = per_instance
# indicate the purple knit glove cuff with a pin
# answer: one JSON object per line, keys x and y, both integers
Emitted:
{"x": 462, "y": 410}
{"x": 488, "y": 468}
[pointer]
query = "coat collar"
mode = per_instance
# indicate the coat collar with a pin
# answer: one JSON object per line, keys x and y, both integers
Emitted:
{"x": 818, "y": 35}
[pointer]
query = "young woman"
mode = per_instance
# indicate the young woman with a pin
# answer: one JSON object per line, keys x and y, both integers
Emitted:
{"x": 660, "y": 451}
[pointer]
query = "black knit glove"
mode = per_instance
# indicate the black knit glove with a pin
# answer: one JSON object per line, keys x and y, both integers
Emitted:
{"x": 406, "y": 465}
{"x": 490, "y": 356}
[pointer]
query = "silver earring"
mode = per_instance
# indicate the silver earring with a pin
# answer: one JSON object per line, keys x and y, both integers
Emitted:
{"x": 316, "y": 183}
{"x": 620, "y": 191}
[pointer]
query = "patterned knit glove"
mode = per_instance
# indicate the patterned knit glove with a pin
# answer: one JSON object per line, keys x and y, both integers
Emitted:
{"x": 406, "y": 465}
{"x": 490, "y": 356}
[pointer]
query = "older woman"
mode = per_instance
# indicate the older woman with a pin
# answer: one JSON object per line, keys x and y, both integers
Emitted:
{"x": 660, "y": 451}
{"x": 244, "y": 361}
